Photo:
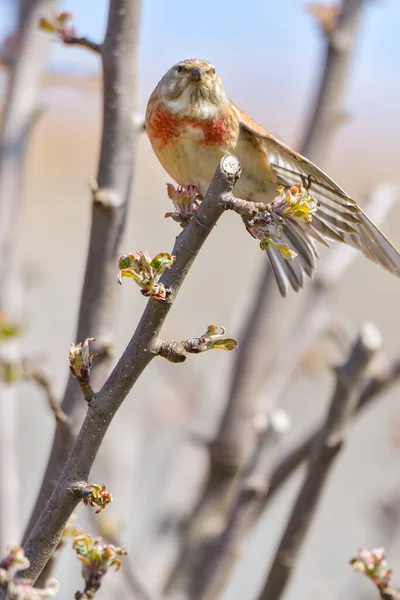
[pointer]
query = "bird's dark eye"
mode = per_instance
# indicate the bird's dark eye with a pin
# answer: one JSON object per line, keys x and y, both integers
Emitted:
{"x": 179, "y": 69}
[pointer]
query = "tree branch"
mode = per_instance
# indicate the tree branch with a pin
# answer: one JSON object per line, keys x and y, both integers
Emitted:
{"x": 114, "y": 181}
{"x": 373, "y": 388}
{"x": 32, "y": 373}
{"x": 324, "y": 452}
{"x": 84, "y": 42}
{"x": 327, "y": 112}
{"x": 140, "y": 351}
{"x": 17, "y": 119}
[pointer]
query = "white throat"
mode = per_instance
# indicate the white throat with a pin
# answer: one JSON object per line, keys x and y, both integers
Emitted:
{"x": 200, "y": 108}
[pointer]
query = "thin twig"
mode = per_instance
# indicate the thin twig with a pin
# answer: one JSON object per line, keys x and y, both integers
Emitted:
{"x": 136, "y": 357}
{"x": 324, "y": 452}
{"x": 223, "y": 546}
{"x": 115, "y": 173}
{"x": 18, "y": 117}
{"x": 32, "y": 373}
{"x": 84, "y": 42}
{"x": 286, "y": 466}
{"x": 327, "y": 112}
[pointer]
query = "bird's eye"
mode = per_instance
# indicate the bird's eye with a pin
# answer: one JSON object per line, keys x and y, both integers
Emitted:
{"x": 179, "y": 69}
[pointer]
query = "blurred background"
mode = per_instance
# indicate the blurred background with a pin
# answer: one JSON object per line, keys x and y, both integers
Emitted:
{"x": 269, "y": 55}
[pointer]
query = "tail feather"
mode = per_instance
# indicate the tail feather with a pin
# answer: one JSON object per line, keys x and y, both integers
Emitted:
{"x": 299, "y": 237}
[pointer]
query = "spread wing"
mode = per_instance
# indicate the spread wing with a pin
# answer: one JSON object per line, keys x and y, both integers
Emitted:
{"x": 337, "y": 218}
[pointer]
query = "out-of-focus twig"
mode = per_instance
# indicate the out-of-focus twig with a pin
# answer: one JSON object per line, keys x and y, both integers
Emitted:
{"x": 324, "y": 452}
{"x": 111, "y": 194}
{"x": 32, "y": 373}
{"x": 288, "y": 464}
{"x": 17, "y": 119}
{"x": 223, "y": 546}
{"x": 327, "y": 113}
{"x": 60, "y": 25}
{"x": 84, "y": 42}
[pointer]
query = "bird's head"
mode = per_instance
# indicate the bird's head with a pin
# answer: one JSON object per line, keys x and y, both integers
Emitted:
{"x": 192, "y": 88}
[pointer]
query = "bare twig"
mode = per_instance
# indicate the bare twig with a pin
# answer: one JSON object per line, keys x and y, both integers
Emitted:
{"x": 84, "y": 42}
{"x": 114, "y": 179}
{"x": 138, "y": 354}
{"x": 373, "y": 388}
{"x": 222, "y": 545}
{"x": 324, "y": 452}
{"x": 17, "y": 119}
{"x": 327, "y": 112}
{"x": 32, "y": 373}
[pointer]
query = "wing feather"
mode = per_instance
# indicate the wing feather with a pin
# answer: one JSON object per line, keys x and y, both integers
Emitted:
{"x": 338, "y": 217}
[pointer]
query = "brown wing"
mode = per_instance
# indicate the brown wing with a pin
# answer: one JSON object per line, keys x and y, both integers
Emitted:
{"x": 338, "y": 216}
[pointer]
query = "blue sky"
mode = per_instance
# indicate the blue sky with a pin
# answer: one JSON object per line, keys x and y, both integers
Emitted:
{"x": 265, "y": 50}
{"x": 255, "y": 31}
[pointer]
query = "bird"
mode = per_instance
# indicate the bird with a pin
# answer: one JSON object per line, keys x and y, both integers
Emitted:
{"x": 192, "y": 123}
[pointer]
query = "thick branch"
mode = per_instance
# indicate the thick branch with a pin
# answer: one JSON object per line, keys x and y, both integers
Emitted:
{"x": 324, "y": 452}
{"x": 18, "y": 116}
{"x": 115, "y": 172}
{"x": 140, "y": 351}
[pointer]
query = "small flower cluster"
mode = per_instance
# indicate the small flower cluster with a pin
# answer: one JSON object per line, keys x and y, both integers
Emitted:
{"x": 80, "y": 360}
{"x": 296, "y": 203}
{"x": 185, "y": 201}
{"x": 96, "y": 495}
{"x": 267, "y": 226}
{"x": 146, "y": 272}
{"x": 374, "y": 565}
{"x": 19, "y": 588}
{"x": 211, "y": 340}
{"x": 97, "y": 558}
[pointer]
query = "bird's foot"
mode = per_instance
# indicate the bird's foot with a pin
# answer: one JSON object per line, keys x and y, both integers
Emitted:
{"x": 186, "y": 201}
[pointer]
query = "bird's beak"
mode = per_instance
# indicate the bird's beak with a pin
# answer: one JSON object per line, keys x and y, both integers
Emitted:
{"x": 196, "y": 74}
